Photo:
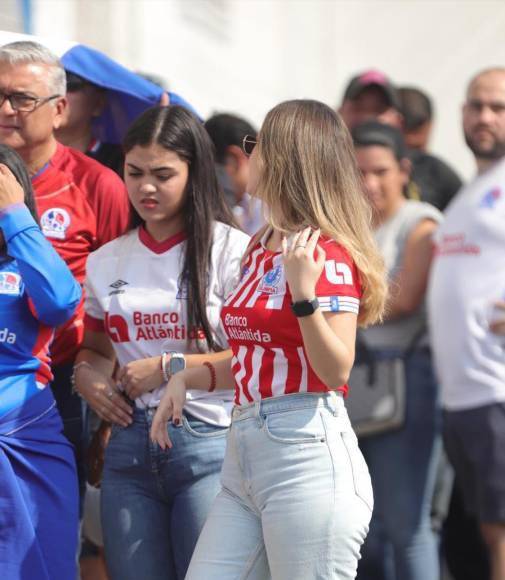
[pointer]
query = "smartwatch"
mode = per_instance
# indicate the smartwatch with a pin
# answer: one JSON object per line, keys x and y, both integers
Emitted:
{"x": 175, "y": 364}
{"x": 304, "y": 307}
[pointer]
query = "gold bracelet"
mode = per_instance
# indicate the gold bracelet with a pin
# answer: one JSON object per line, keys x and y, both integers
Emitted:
{"x": 74, "y": 374}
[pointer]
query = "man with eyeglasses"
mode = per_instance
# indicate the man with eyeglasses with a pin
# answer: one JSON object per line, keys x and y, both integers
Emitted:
{"x": 466, "y": 300}
{"x": 81, "y": 204}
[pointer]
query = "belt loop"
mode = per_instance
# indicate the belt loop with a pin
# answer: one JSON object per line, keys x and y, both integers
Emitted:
{"x": 334, "y": 402}
{"x": 257, "y": 413}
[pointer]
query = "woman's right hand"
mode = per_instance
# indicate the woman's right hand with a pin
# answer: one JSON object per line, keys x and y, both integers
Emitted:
{"x": 102, "y": 396}
{"x": 170, "y": 407}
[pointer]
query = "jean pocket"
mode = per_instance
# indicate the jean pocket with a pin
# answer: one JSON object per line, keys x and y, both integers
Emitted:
{"x": 360, "y": 473}
{"x": 115, "y": 430}
{"x": 203, "y": 430}
{"x": 295, "y": 427}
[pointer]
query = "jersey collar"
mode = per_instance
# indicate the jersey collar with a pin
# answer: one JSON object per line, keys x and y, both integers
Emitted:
{"x": 160, "y": 247}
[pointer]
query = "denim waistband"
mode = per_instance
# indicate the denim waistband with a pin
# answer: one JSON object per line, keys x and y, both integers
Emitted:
{"x": 333, "y": 401}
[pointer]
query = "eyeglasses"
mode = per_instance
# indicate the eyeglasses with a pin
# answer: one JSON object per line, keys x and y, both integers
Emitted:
{"x": 248, "y": 144}
{"x": 24, "y": 103}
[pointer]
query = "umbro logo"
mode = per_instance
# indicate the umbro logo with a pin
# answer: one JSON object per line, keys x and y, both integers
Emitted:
{"x": 117, "y": 284}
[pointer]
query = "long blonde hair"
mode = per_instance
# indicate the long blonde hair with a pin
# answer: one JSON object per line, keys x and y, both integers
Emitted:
{"x": 308, "y": 176}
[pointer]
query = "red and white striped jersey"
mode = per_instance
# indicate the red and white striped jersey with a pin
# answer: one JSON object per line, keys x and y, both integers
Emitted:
{"x": 269, "y": 358}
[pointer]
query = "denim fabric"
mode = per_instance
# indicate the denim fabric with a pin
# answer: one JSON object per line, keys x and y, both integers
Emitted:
{"x": 154, "y": 503}
{"x": 403, "y": 464}
{"x": 296, "y": 498}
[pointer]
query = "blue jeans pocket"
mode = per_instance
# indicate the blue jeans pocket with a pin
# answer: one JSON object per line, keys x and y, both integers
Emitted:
{"x": 295, "y": 427}
{"x": 200, "y": 429}
{"x": 360, "y": 474}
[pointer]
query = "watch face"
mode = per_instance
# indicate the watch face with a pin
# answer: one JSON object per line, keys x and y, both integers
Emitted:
{"x": 176, "y": 364}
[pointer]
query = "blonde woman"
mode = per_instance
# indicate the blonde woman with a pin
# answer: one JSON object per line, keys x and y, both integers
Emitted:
{"x": 296, "y": 497}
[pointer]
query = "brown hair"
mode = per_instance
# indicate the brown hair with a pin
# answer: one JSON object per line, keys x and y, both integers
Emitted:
{"x": 308, "y": 176}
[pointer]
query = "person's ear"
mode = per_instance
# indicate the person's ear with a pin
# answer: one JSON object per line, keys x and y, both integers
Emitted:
{"x": 60, "y": 111}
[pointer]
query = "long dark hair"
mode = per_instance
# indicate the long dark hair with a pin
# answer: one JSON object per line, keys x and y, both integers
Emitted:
{"x": 178, "y": 130}
{"x": 14, "y": 162}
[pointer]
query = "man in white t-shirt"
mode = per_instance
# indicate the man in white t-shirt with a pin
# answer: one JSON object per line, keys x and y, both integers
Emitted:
{"x": 465, "y": 299}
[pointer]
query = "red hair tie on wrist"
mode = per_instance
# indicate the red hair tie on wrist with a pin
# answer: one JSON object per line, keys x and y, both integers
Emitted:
{"x": 212, "y": 371}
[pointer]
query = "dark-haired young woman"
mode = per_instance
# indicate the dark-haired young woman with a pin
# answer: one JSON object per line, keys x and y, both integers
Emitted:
{"x": 38, "y": 481}
{"x": 153, "y": 302}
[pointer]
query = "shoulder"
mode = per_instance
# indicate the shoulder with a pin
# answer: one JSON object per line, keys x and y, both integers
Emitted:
{"x": 413, "y": 211}
{"x": 334, "y": 250}
{"x": 226, "y": 236}
{"x": 83, "y": 169}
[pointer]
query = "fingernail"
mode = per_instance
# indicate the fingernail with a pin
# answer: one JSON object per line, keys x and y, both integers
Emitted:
{"x": 176, "y": 422}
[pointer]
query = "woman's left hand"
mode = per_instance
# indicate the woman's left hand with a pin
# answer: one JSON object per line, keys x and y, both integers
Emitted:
{"x": 141, "y": 376}
{"x": 170, "y": 408}
{"x": 11, "y": 191}
{"x": 302, "y": 269}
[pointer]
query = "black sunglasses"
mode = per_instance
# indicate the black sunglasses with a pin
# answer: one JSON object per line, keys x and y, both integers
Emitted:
{"x": 248, "y": 144}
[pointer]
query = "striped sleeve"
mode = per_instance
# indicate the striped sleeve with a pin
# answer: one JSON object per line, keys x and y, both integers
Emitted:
{"x": 339, "y": 287}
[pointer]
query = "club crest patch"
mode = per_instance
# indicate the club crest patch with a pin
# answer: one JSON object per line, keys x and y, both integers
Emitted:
{"x": 10, "y": 283}
{"x": 54, "y": 223}
{"x": 270, "y": 282}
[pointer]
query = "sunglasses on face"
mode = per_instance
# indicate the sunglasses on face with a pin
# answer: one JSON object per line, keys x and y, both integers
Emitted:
{"x": 248, "y": 144}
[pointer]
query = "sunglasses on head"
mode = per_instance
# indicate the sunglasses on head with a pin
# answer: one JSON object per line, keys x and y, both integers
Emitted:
{"x": 248, "y": 144}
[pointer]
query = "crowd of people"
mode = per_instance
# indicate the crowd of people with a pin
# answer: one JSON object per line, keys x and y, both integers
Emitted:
{"x": 180, "y": 314}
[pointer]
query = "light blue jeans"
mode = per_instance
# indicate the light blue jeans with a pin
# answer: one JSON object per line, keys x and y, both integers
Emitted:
{"x": 153, "y": 502}
{"x": 296, "y": 496}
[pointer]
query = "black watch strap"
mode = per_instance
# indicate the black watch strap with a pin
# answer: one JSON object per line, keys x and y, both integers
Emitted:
{"x": 305, "y": 307}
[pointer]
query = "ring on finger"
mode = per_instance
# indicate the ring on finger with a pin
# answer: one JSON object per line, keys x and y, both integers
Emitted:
{"x": 300, "y": 246}
{"x": 110, "y": 394}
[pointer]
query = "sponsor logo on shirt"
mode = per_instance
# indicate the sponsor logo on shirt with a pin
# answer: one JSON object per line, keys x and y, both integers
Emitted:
{"x": 54, "y": 223}
{"x": 117, "y": 328}
{"x": 163, "y": 326}
{"x": 237, "y": 328}
{"x": 10, "y": 283}
{"x": 7, "y": 336}
{"x": 490, "y": 198}
{"x": 117, "y": 285}
{"x": 270, "y": 282}
{"x": 338, "y": 273}
{"x": 456, "y": 244}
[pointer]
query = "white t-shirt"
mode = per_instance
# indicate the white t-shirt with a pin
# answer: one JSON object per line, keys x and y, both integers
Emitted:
{"x": 134, "y": 294}
{"x": 467, "y": 277}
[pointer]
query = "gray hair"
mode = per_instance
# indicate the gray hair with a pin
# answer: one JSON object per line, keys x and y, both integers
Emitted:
{"x": 25, "y": 51}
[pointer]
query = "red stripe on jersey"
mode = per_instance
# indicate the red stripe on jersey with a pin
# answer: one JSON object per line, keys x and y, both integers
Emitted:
{"x": 294, "y": 372}
{"x": 244, "y": 383}
{"x": 41, "y": 351}
{"x": 93, "y": 324}
{"x": 242, "y": 298}
{"x": 266, "y": 373}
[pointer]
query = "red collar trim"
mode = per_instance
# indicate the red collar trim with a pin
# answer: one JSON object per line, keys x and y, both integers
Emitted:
{"x": 160, "y": 247}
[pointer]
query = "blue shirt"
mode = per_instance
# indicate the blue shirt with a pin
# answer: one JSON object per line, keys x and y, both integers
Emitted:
{"x": 37, "y": 293}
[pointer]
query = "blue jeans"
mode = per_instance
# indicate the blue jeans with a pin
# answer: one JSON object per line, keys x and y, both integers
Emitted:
{"x": 296, "y": 498}
{"x": 403, "y": 464}
{"x": 153, "y": 502}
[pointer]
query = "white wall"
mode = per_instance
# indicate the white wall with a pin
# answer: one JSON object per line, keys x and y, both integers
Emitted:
{"x": 247, "y": 55}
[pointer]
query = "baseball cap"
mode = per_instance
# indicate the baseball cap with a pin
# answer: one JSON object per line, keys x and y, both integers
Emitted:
{"x": 372, "y": 78}
{"x": 375, "y": 133}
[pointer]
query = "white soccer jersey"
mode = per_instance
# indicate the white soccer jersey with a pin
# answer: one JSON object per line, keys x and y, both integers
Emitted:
{"x": 269, "y": 357}
{"x": 134, "y": 294}
{"x": 467, "y": 277}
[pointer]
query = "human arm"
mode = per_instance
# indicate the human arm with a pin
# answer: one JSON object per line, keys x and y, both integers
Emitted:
{"x": 52, "y": 290}
{"x": 143, "y": 375}
{"x": 94, "y": 379}
{"x": 408, "y": 288}
{"x": 197, "y": 377}
{"x": 328, "y": 337}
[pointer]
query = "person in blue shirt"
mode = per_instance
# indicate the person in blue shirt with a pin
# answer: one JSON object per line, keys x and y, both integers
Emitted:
{"x": 38, "y": 483}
